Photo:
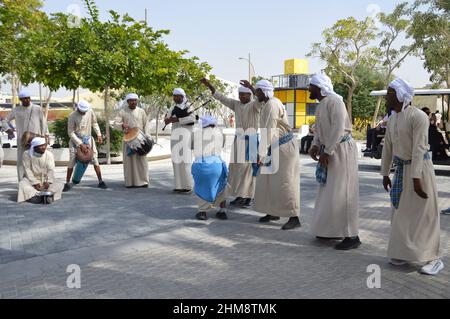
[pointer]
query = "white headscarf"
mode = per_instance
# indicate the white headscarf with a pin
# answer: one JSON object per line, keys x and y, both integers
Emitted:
{"x": 324, "y": 83}
{"x": 266, "y": 87}
{"x": 132, "y": 96}
{"x": 180, "y": 91}
{"x": 24, "y": 94}
{"x": 208, "y": 120}
{"x": 403, "y": 90}
{"x": 243, "y": 89}
{"x": 83, "y": 106}
{"x": 37, "y": 141}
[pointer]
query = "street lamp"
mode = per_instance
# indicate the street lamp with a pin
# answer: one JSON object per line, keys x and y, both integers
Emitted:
{"x": 250, "y": 67}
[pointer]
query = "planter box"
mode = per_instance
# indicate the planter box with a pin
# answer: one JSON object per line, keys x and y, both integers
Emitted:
{"x": 61, "y": 156}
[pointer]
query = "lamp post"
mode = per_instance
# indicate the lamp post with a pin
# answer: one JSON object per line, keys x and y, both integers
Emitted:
{"x": 250, "y": 67}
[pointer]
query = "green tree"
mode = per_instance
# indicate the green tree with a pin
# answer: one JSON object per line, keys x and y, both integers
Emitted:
{"x": 431, "y": 31}
{"x": 370, "y": 79}
{"x": 17, "y": 19}
{"x": 126, "y": 54}
{"x": 345, "y": 47}
{"x": 395, "y": 29}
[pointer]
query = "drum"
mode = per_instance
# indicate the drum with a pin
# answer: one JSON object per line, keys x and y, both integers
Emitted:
{"x": 138, "y": 142}
{"x": 27, "y": 137}
{"x": 47, "y": 197}
{"x": 85, "y": 157}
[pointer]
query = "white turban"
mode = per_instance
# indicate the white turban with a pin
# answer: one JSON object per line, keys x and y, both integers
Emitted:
{"x": 24, "y": 94}
{"x": 403, "y": 90}
{"x": 83, "y": 106}
{"x": 243, "y": 89}
{"x": 37, "y": 141}
{"x": 208, "y": 120}
{"x": 324, "y": 83}
{"x": 132, "y": 96}
{"x": 267, "y": 87}
{"x": 179, "y": 91}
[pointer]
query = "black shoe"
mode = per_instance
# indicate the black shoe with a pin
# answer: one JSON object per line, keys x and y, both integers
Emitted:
{"x": 329, "y": 238}
{"x": 102, "y": 185}
{"x": 35, "y": 200}
{"x": 182, "y": 191}
{"x": 293, "y": 222}
{"x": 67, "y": 187}
{"x": 237, "y": 202}
{"x": 268, "y": 218}
{"x": 222, "y": 216}
{"x": 367, "y": 150}
{"x": 349, "y": 243}
{"x": 48, "y": 200}
{"x": 201, "y": 216}
{"x": 247, "y": 203}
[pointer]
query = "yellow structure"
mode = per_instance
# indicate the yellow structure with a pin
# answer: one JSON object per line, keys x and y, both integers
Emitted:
{"x": 291, "y": 89}
{"x": 296, "y": 66}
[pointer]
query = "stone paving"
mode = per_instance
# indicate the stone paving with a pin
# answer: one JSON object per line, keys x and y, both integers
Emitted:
{"x": 145, "y": 243}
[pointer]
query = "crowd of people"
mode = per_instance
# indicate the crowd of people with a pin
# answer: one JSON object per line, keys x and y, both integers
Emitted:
{"x": 264, "y": 171}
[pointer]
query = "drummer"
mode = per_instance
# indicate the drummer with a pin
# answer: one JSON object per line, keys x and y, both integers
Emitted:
{"x": 38, "y": 166}
{"x": 135, "y": 166}
{"x": 80, "y": 125}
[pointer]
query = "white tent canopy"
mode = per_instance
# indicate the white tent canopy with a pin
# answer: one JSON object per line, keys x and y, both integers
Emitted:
{"x": 416, "y": 92}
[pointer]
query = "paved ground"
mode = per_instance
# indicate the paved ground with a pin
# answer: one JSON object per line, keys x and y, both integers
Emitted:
{"x": 146, "y": 244}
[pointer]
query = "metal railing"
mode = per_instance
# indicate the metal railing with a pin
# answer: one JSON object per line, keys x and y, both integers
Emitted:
{"x": 291, "y": 81}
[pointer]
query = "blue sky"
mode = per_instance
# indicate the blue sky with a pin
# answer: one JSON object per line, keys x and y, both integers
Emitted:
{"x": 219, "y": 32}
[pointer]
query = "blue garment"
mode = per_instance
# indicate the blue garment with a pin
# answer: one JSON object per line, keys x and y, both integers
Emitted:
{"x": 251, "y": 148}
{"x": 80, "y": 168}
{"x": 283, "y": 140}
{"x": 397, "y": 186}
{"x": 322, "y": 172}
{"x": 210, "y": 177}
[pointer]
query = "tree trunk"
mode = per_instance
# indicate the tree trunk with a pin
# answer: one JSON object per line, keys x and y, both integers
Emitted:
{"x": 377, "y": 110}
{"x": 47, "y": 105}
{"x": 13, "y": 90}
{"x": 108, "y": 138}
{"x": 40, "y": 96}
{"x": 351, "y": 91}
{"x": 73, "y": 98}
{"x": 157, "y": 125}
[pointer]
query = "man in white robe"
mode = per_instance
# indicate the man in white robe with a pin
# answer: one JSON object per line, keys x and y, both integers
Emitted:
{"x": 182, "y": 119}
{"x": 241, "y": 179}
{"x": 336, "y": 214}
{"x": 135, "y": 166}
{"x": 277, "y": 191}
{"x": 209, "y": 170}
{"x": 79, "y": 128}
{"x": 39, "y": 168}
{"x": 28, "y": 118}
{"x": 415, "y": 223}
